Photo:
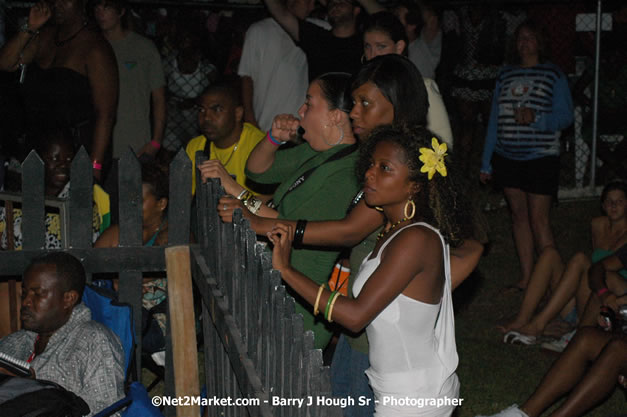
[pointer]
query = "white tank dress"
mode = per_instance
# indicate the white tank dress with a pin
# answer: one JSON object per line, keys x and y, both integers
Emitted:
{"x": 412, "y": 352}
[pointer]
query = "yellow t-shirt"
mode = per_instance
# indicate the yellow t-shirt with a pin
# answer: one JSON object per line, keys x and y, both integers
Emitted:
{"x": 233, "y": 160}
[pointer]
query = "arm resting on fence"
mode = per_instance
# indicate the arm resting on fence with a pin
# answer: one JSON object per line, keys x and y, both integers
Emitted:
{"x": 399, "y": 271}
{"x": 348, "y": 232}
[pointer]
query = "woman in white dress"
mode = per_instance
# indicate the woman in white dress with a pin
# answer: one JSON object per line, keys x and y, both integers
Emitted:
{"x": 403, "y": 288}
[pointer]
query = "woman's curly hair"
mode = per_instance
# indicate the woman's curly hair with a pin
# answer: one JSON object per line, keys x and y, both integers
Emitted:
{"x": 439, "y": 201}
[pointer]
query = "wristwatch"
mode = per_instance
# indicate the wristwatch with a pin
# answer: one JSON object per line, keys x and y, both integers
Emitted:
{"x": 27, "y": 29}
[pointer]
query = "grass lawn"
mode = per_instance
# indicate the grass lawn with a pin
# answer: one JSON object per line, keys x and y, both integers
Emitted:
{"x": 494, "y": 375}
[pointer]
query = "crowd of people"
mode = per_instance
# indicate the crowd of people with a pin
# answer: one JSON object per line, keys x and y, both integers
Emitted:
{"x": 335, "y": 138}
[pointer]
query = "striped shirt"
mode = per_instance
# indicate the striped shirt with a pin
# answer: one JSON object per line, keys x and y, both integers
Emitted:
{"x": 543, "y": 88}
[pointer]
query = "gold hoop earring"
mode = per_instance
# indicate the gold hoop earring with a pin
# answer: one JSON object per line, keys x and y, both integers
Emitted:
{"x": 411, "y": 204}
{"x": 377, "y": 208}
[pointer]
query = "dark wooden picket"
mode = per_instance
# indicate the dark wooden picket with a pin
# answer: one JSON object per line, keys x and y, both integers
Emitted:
{"x": 254, "y": 343}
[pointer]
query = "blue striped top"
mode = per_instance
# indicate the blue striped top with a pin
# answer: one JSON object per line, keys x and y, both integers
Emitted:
{"x": 543, "y": 88}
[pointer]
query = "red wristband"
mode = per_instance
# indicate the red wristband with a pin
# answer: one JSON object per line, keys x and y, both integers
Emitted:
{"x": 272, "y": 140}
{"x": 97, "y": 166}
{"x": 602, "y": 291}
{"x": 155, "y": 144}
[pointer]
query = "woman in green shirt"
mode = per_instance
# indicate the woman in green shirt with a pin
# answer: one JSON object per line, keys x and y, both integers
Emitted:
{"x": 317, "y": 178}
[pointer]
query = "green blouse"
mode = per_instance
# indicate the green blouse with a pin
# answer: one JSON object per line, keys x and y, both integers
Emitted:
{"x": 324, "y": 195}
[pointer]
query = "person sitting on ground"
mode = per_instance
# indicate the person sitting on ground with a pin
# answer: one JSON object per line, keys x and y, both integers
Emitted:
{"x": 569, "y": 286}
{"x": 58, "y": 337}
{"x": 608, "y": 285}
{"x": 588, "y": 371}
{"x": 154, "y": 233}
{"x": 56, "y": 149}
{"x": 231, "y": 140}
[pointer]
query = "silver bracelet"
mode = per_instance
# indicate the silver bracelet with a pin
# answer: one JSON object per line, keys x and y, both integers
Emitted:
{"x": 242, "y": 194}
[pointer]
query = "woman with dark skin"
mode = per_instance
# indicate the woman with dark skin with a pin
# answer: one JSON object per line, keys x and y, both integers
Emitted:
{"x": 387, "y": 89}
{"x": 154, "y": 233}
{"x": 402, "y": 290}
{"x": 72, "y": 50}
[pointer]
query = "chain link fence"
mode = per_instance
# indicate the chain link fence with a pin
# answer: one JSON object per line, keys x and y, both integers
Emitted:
{"x": 201, "y": 41}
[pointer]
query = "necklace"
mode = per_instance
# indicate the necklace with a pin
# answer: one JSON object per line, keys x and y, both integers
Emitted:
{"x": 153, "y": 239}
{"x": 224, "y": 164}
{"x": 385, "y": 232}
{"x": 59, "y": 43}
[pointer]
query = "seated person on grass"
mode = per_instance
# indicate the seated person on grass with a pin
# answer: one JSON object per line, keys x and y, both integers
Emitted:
{"x": 588, "y": 371}
{"x": 608, "y": 286}
{"x": 568, "y": 285}
{"x": 58, "y": 337}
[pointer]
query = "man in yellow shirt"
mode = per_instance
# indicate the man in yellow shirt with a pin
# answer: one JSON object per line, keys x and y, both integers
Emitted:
{"x": 220, "y": 118}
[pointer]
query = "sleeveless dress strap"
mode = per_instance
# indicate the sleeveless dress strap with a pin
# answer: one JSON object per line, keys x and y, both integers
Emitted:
{"x": 445, "y": 324}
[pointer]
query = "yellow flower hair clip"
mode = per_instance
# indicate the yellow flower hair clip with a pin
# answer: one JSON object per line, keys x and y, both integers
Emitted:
{"x": 433, "y": 159}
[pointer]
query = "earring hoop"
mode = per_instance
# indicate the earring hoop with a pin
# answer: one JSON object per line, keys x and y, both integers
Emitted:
{"x": 339, "y": 140}
{"x": 410, "y": 203}
{"x": 377, "y": 208}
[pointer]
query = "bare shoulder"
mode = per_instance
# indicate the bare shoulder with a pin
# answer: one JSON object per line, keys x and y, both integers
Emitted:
{"x": 416, "y": 238}
{"x": 110, "y": 238}
{"x": 597, "y": 224}
{"x": 96, "y": 46}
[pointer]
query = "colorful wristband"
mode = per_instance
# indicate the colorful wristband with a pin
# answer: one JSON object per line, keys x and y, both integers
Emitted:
{"x": 97, "y": 166}
{"x": 273, "y": 140}
{"x": 155, "y": 144}
{"x": 602, "y": 291}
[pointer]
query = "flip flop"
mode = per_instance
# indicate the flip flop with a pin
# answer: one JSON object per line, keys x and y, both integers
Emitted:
{"x": 516, "y": 338}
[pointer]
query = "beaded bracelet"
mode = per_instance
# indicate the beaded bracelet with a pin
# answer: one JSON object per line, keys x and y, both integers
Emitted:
{"x": 96, "y": 165}
{"x": 331, "y": 308}
{"x": 326, "y": 310}
{"x": 315, "y": 310}
{"x": 155, "y": 144}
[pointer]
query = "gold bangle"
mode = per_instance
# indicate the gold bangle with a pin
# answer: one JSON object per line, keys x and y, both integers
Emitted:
{"x": 315, "y": 310}
{"x": 331, "y": 308}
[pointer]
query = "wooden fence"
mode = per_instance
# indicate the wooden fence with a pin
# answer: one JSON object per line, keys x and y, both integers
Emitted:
{"x": 129, "y": 260}
{"x": 254, "y": 344}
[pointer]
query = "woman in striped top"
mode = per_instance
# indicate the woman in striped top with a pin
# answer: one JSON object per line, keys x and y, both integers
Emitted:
{"x": 530, "y": 107}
